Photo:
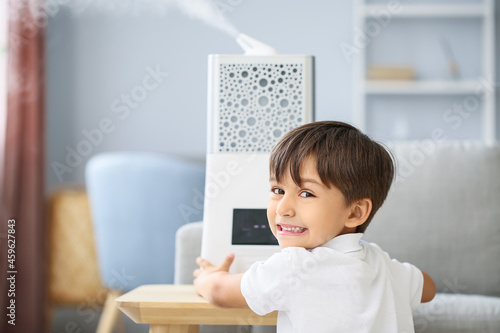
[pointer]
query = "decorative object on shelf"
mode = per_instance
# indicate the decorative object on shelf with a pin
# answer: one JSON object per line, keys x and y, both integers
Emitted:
{"x": 450, "y": 57}
{"x": 390, "y": 72}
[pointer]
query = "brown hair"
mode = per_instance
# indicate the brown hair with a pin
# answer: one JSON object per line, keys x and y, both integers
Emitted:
{"x": 346, "y": 158}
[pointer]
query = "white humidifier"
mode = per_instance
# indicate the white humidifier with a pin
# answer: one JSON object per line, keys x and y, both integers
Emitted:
{"x": 253, "y": 100}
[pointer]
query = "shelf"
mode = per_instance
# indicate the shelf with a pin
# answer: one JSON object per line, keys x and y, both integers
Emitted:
{"x": 474, "y": 10}
{"x": 422, "y": 87}
{"x": 370, "y": 18}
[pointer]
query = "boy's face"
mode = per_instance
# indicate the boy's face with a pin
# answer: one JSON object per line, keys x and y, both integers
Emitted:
{"x": 309, "y": 216}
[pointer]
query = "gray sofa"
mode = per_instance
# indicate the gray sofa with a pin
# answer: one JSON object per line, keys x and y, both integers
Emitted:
{"x": 443, "y": 215}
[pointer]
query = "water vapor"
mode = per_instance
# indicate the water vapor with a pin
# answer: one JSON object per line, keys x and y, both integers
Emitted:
{"x": 207, "y": 11}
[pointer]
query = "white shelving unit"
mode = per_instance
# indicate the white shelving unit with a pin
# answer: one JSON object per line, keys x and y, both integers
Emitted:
{"x": 435, "y": 10}
{"x": 363, "y": 88}
{"x": 421, "y": 87}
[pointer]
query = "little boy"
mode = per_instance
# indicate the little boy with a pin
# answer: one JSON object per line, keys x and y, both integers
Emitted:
{"x": 327, "y": 181}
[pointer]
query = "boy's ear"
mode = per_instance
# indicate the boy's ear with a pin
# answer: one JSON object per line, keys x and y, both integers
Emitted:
{"x": 360, "y": 210}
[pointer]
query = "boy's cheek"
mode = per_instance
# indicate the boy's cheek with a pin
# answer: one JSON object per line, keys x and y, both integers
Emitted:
{"x": 270, "y": 218}
{"x": 272, "y": 226}
{"x": 270, "y": 211}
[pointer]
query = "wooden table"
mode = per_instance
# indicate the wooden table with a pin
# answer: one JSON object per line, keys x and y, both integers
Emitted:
{"x": 177, "y": 308}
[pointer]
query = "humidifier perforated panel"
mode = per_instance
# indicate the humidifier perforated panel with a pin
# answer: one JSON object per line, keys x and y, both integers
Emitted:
{"x": 254, "y": 100}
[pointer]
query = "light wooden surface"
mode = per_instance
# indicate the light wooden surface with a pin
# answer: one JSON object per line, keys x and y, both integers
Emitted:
{"x": 177, "y": 308}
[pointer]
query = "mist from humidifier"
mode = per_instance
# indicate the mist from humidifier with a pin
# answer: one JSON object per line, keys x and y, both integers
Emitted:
{"x": 251, "y": 46}
{"x": 205, "y": 11}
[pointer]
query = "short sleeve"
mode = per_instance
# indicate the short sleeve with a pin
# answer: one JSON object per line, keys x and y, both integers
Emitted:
{"x": 266, "y": 285}
{"x": 410, "y": 279}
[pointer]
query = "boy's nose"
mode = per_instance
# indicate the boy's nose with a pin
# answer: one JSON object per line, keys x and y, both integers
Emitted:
{"x": 285, "y": 207}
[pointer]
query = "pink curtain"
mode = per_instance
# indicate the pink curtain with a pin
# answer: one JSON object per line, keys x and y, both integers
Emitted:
{"x": 23, "y": 172}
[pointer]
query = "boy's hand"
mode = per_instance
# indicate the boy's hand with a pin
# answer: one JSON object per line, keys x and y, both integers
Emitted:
{"x": 216, "y": 285}
{"x": 206, "y": 266}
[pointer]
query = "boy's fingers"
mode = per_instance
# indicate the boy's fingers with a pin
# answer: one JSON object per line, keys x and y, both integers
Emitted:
{"x": 203, "y": 263}
{"x": 200, "y": 261}
{"x": 228, "y": 260}
{"x": 196, "y": 272}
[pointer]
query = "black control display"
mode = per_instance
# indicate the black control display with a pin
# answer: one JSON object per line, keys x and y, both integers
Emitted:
{"x": 250, "y": 227}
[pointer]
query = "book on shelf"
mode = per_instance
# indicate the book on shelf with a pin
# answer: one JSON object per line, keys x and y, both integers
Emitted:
{"x": 377, "y": 72}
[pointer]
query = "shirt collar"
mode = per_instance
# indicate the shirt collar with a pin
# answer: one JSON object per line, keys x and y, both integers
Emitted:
{"x": 345, "y": 243}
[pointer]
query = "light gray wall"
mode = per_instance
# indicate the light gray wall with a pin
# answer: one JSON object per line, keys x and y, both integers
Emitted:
{"x": 96, "y": 56}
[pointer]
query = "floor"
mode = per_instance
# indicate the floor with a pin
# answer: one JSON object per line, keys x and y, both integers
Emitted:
{"x": 78, "y": 320}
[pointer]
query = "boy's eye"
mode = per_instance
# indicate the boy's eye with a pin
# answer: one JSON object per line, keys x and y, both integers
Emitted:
{"x": 277, "y": 190}
{"x": 305, "y": 194}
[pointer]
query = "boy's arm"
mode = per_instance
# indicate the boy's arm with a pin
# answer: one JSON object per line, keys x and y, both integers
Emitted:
{"x": 217, "y": 285}
{"x": 429, "y": 289}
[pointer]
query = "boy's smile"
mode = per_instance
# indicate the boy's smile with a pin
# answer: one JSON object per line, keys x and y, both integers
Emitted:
{"x": 291, "y": 230}
{"x": 306, "y": 216}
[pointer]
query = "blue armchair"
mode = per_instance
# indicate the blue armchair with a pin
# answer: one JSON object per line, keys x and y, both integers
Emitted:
{"x": 138, "y": 201}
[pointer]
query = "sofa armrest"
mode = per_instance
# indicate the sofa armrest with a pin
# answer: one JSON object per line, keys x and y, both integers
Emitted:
{"x": 187, "y": 249}
{"x": 458, "y": 313}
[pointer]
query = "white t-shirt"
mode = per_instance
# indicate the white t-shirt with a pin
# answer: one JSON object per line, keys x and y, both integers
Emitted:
{"x": 345, "y": 285}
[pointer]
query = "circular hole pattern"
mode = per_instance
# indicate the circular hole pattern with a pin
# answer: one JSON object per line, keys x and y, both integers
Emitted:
{"x": 258, "y": 103}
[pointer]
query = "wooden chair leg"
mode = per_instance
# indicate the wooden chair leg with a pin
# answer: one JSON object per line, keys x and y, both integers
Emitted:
{"x": 109, "y": 313}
